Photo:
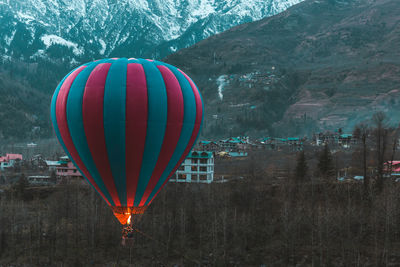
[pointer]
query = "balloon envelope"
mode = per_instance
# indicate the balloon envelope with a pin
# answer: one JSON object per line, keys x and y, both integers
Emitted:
{"x": 127, "y": 125}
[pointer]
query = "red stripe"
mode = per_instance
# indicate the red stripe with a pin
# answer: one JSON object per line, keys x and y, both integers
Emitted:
{"x": 172, "y": 130}
{"x": 61, "y": 116}
{"x": 136, "y": 126}
{"x": 92, "y": 114}
{"x": 199, "y": 116}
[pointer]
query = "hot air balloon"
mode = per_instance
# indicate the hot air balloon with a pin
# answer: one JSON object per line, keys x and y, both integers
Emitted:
{"x": 127, "y": 125}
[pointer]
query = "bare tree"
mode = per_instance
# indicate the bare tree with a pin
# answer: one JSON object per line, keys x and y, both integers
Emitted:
{"x": 361, "y": 132}
{"x": 381, "y": 138}
{"x": 396, "y": 135}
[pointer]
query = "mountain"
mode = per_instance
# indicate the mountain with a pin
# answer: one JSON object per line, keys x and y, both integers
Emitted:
{"x": 86, "y": 29}
{"x": 42, "y": 40}
{"x": 321, "y": 64}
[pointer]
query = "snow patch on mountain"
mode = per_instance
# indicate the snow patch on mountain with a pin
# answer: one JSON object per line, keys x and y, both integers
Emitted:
{"x": 103, "y": 47}
{"x": 8, "y": 39}
{"x": 222, "y": 81}
{"x": 52, "y": 39}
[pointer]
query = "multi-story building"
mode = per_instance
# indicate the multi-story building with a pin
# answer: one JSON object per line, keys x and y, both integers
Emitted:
{"x": 67, "y": 169}
{"x": 198, "y": 167}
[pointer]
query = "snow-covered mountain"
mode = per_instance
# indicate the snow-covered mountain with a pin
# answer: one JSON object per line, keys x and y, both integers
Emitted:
{"x": 85, "y": 29}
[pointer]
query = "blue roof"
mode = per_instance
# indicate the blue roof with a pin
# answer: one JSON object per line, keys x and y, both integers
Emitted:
{"x": 238, "y": 154}
{"x": 200, "y": 154}
{"x": 293, "y": 139}
{"x": 205, "y": 142}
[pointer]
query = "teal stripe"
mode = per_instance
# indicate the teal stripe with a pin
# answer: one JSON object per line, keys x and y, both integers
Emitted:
{"x": 156, "y": 124}
{"x": 114, "y": 123}
{"x": 189, "y": 119}
{"x": 76, "y": 128}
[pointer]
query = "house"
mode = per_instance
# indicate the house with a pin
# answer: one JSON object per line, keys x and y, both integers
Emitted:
{"x": 235, "y": 143}
{"x": 327, "y": 137}
{"x": 345, "y": 140}
{"x": 67, "y": 169}
{"x": 198, "y": 167}
{"x": 393, "y": 167}
{"x": 230, "y": 144}
{"x": 52, "y": 165}
{"x": 9, "y": 160}
{"x": 295, "y": 143}
{"x": 208, "y": 146}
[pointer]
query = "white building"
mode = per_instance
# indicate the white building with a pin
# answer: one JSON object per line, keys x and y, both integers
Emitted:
{"x": 52, "y": 164}
{"x": 198, "y": 167}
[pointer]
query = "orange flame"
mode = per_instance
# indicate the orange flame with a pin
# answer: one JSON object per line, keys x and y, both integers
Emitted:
{"x": 124, "y": 214}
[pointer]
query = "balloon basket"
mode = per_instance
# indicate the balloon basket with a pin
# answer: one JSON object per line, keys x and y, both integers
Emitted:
{"x": 127, "y": 235}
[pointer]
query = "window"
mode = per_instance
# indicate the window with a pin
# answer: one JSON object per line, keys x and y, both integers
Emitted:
{"x": 181, "y": 168}
{"x": 182, "y": 176}
{"x": 194, "y": 178}
{"x": 203, "y": 177}
{"x": 203, "y": 168}
{"x": 203, "y": 161}
{"x": 194, "y": 160}
{"x": 194, "y": 168}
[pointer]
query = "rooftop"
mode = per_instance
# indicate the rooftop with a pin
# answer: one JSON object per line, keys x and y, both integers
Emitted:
{"x": 200, "y": 154}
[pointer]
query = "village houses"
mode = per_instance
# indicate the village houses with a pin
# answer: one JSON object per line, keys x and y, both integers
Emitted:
{"x": 9, "y": 160}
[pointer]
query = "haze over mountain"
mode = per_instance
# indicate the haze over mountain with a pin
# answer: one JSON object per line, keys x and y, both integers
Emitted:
{"x": 319, "y": 65}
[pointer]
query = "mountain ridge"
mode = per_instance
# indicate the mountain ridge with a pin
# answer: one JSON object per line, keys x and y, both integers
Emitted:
{"x": 319, "y": 65}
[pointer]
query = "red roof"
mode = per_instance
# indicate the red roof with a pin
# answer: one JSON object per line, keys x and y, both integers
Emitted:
{"x": 394, "y": 162}
{"x": 9, "y": 157}
{"x": 13, "y": 156}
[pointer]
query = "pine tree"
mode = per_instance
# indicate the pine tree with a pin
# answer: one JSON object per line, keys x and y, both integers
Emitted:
{"x": 301, "y": 167}
{"x": 325, "y": 164}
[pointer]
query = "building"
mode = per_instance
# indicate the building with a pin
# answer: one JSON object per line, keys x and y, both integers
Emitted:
{"x": 198, "y": 167}
{"x": 52, "y": 165}
{"x": 67, "y": 169}
{"x": 9, "y": 161}
{"x": 295, "y": 143}
{"x": 208, "y": 146}
{"x": 394, "y": 167}
{"x": 345, "y": 140}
